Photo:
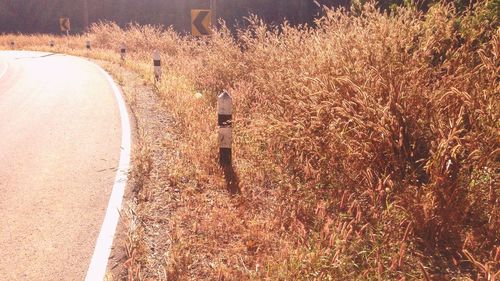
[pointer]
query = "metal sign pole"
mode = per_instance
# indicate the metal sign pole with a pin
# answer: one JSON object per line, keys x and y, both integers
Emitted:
{"x": 213, "y": 8}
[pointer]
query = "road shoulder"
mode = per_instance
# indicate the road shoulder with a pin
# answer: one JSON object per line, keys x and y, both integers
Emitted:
{"x": 150, "y": 123}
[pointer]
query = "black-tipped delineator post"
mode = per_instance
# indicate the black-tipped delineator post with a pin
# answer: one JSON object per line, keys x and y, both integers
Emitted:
{"x": 123, "y": 51}
{"x": 157, "y": 65}
{"x": 51, "y": 43}
{"x": 87, "y": 45}
{"x": 12, "y": 44}
{"x": 225, "y": 112}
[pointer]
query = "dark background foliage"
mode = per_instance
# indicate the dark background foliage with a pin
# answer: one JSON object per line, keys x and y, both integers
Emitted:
{"x": 42, "y": 15}
{"x": 34, "y": 16}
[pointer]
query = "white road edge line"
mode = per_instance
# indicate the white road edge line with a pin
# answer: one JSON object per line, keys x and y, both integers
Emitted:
{"x": 4, "y": 70}
{"x": 100, "y": 257}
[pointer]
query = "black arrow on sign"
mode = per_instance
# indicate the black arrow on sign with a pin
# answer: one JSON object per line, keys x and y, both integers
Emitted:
{"x": 198, "y": 22}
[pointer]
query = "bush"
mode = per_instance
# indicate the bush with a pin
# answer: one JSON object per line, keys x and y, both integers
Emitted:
{"x": 374, "y": 137}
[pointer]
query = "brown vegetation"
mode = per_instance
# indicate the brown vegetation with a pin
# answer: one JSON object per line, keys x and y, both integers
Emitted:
{"x": 367, "y": 148}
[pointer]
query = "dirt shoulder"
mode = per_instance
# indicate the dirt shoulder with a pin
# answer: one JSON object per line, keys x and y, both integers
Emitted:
{"x": 152, "y": 123}
{"x": 179, "y": 221}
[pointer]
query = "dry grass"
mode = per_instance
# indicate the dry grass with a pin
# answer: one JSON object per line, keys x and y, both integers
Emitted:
{"x": 367, "y": 148}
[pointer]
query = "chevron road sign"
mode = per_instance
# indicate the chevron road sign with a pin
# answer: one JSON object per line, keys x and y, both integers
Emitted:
{"x": 200, "y": 22}
{"x": 65, "y": 24}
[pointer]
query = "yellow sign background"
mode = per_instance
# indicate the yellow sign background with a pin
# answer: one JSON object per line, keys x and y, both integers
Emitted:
{"x": 206, "y": 22}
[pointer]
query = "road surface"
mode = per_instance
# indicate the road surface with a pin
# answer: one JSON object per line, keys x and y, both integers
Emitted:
{"x": 60, "y": 146}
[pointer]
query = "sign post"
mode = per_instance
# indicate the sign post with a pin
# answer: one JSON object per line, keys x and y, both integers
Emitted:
{"x": 213, "y": 8}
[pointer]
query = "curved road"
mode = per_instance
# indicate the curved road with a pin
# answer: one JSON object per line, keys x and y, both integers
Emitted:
{"x": 60, "y": 138}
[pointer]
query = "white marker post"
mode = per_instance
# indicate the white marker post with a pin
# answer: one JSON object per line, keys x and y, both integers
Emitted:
{"x": 51, "y": 43}
{"x": 88, "y": 45}
{"x": 225, "y": 120}
{"x": 12, "y": 44}
{"x": 157, "y": 65}
{"x": 123, "y": 51}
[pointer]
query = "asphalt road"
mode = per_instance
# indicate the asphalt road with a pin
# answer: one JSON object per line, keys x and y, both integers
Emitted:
{"x": 60, "y": 146}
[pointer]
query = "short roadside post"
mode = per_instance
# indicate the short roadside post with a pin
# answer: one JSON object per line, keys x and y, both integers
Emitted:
{"x": 122, "y": 51}
{"x": 87, "y": 44}
{"x": 157, "y": 65}
{"x": 225, "y": 119}
{"x": 51, "y": 43}
{"x": 12, "y": 44}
